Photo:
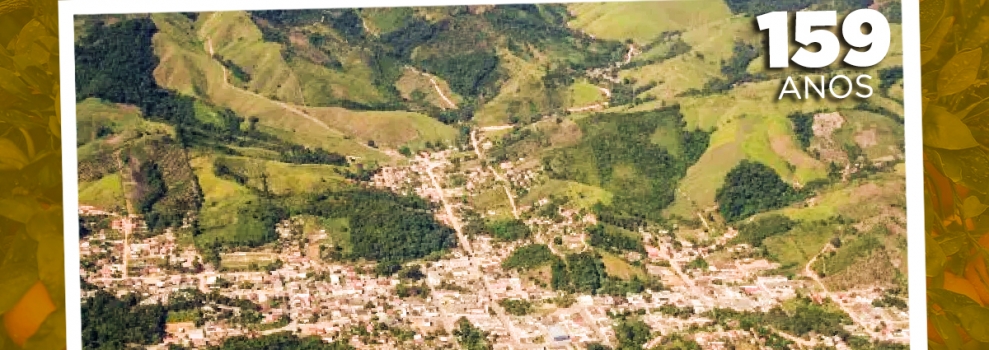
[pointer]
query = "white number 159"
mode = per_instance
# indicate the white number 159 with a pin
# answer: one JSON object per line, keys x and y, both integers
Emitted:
{"x": 877, "y": 40}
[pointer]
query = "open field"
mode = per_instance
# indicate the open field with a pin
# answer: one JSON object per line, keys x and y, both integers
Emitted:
{"x": 644, "y": 21}
{"x": 222, "y": 199}
{"x": 578, "y": 194}
{"x": 106, "y": 193}
{"x": 243, "y": 260}
{"x": 617, "y": 267}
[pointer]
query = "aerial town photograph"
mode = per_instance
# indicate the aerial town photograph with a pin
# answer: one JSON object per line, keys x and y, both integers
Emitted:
{"x": 614, "y": 175}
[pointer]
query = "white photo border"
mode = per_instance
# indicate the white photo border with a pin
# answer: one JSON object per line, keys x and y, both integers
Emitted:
{"x": 68, "y": 9}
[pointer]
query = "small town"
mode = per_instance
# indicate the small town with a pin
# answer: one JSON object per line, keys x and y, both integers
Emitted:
{"x": 299, "y": 291}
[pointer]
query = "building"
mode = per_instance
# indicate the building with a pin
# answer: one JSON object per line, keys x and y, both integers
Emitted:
{"x": 558, "y": 334}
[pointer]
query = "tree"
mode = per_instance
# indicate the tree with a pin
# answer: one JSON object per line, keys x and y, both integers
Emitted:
{"x": 750, "y": 188}
{"x": 632, "y": 334}
{"x": 470, "y": 337}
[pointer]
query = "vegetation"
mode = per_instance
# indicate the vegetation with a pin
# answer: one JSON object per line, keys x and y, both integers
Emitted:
{"x": 754, "y": 233}
{"x": 632, "y": 334}
{"x": 697, "y": 263}
{"x": 803, "y": 127}
{"x": 509, "y": 230}
{"x": 753, "y": 187}
{"x": 800, "y": 317}
{"x": 384, "y": 226}
{"x": 112, "y": 323}
{"x": 471, "y": 337}
{"x": 301, "y": 155}
{"x": 412, "y": 290}
{"x": 757, "y": 7}
{"x": 680, "y": 342}
{"x": 610, "y": 237}
{"x": 154, "y": 187}
{"x": 650, "y": 172}
{"x": 281, "y": 340}
{"x": 529, "y": 257}
{"x": 734, "y": 71}
{"x": 116, "y": 63}
{"x": 517, "y": 307}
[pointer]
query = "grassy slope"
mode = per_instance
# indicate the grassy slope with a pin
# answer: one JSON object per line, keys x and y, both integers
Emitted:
{"x": 382, "y": 21}
{"x": 524, "y": 86}
{"x": 221, "y": 200}
{"x": 412, "y": 81}
{"x": 106, "y": 193}
{"x": 236, "y": 38}
{"x": 643, "y": 21}
{"x": 387, "y": 128}
{"x": 185, "y": 66}
{"x": 737, "y": 114}
{"x": 125, "y": 121}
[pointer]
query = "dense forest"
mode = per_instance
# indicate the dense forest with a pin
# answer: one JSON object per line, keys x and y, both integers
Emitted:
{"x": 610, "y": 237}
{"x": 384, "y": 226}
{"x": 632, "y": 334}
{"x": 803, "y": 127}
{"x": 116, "y": 63}
{"x": 471, "y": 64}
{"x": 624, "y": 140}
{"x": 529, "y": 257}
{"x": 751, "y": 188}
{"x": 111, "y": 323}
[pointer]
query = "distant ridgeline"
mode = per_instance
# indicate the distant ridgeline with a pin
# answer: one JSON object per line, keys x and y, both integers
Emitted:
{"x": 457, "y": 44}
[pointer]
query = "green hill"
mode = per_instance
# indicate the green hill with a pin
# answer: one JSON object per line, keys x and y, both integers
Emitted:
{"x": 266, "y": 115}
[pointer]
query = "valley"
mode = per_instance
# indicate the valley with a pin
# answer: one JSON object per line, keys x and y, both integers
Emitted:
{"x": 481, "y": 177}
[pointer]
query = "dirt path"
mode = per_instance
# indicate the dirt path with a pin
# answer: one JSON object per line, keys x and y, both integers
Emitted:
{"x": 127, "y": 221}
{"x": 809, "y": 271}
{"x": 496, "y": 128}
{"x": 504, "y": 181}
{"x": 631, "y": 53}
{"x": 283, "y": 105}
{"x": 586, "y": 108}
{"x": 436, "y": 86}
